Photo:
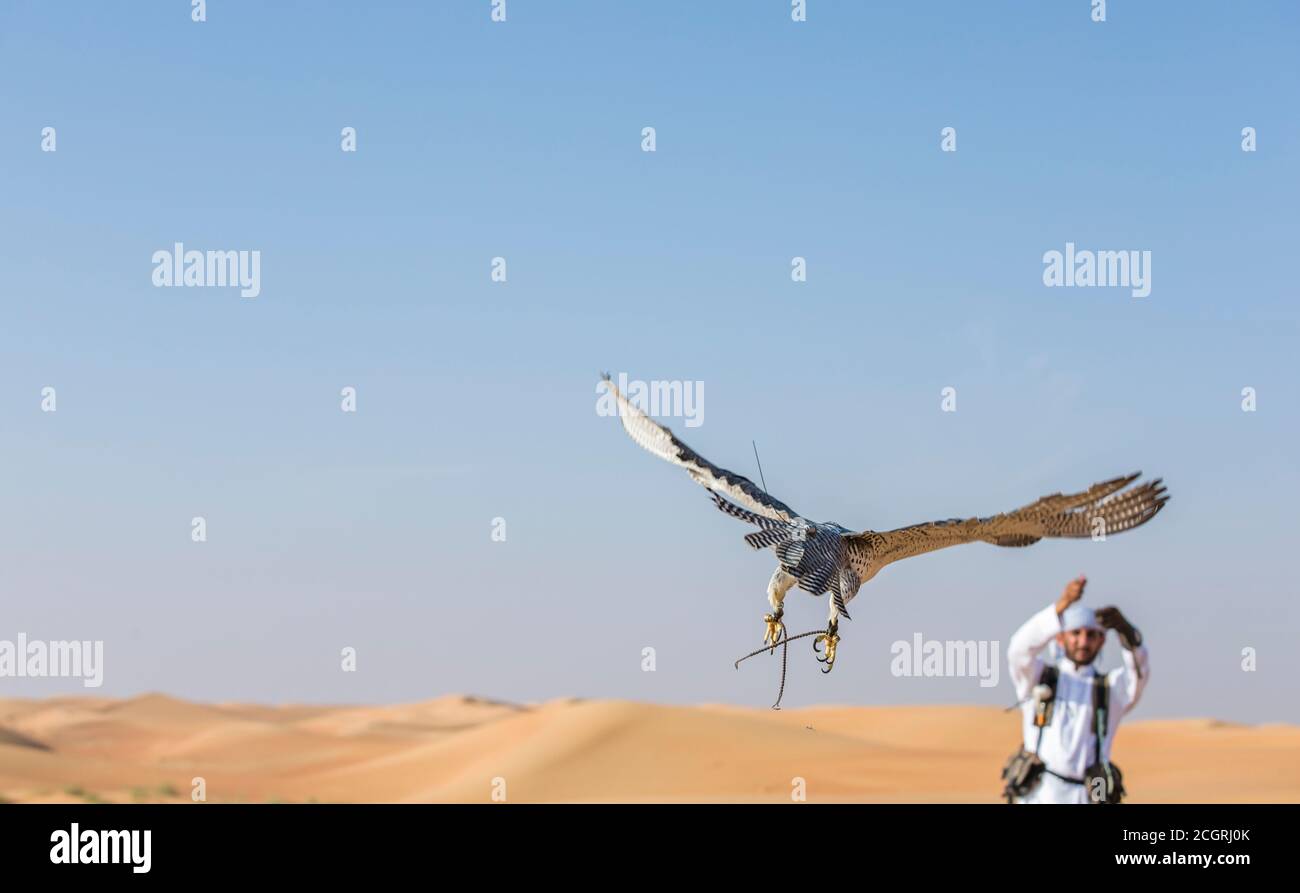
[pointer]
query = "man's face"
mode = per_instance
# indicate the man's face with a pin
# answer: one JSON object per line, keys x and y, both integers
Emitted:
{"x": 1081, "y": 645}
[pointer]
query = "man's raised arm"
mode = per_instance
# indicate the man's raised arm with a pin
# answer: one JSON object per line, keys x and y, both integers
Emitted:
{"x": 1127, "y": 682}
{"x": 1028, "y": 641}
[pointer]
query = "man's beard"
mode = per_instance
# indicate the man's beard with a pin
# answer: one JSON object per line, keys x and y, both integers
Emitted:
{"x": 1084, "y": 659}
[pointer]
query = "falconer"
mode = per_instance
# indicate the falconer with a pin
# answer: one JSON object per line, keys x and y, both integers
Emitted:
{"x": 1070, "y": 710}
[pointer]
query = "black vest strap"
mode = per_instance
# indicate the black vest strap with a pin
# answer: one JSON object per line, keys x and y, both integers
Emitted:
{"x": 1100, "y": 708}
{"x": 1100, "y": 719}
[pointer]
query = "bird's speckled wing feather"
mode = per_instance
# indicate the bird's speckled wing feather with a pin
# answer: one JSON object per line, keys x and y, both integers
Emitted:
{"x": 1058, "y": 515}
{"x": 663, "y": 443}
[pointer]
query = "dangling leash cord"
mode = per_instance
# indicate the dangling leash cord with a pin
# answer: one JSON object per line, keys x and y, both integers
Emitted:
{"x": 784, "y": 640}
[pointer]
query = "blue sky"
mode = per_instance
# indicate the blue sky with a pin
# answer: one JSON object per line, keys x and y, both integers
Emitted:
{"x": 476, "y": 399}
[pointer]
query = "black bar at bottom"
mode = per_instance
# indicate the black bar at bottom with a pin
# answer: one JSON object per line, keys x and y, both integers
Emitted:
{"x": 218, "y": 841}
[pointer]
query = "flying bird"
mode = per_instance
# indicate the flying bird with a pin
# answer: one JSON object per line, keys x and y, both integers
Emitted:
{"x": 822, "y": 557}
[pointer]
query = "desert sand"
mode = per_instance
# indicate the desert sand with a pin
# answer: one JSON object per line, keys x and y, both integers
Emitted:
{"x": 450, "y": 749}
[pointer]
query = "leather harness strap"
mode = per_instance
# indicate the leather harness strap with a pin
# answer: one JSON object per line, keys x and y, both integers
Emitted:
{"x": 1100, "y": 704}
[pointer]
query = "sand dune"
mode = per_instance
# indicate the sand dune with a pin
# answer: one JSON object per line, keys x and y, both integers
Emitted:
{"x": 456, "y": 749}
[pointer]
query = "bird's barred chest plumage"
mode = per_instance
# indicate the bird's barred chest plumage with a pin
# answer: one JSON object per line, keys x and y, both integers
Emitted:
{"x": 821, "y": 557}
{"x": 824, "y": 560}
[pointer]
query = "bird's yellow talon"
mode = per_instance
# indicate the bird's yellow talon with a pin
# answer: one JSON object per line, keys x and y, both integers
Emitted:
{"x": 830, "y": 640}
{"x": 773, "y": 633}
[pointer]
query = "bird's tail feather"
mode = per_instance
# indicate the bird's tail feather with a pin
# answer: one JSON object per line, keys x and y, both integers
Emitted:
{"x": 766, "y": 539}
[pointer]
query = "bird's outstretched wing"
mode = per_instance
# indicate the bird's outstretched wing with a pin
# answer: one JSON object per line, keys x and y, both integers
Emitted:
{"x": 663, "y": 443}
{"x": 1059, "y": 515}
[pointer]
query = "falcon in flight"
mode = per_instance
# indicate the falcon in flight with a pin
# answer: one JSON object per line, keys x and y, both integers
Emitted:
{"x": 823, "y": 557}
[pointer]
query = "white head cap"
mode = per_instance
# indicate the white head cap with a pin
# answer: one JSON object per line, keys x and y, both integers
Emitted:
{"x": 1079, "y": 616}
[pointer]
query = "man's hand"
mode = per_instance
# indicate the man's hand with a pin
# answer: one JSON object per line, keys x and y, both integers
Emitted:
{"x": 1073, "y": 592}
{"x": 1110, "y": 617}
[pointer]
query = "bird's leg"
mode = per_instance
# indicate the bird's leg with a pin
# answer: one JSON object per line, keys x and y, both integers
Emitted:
{"x": 773, "y": 633}
{"x": 830, "y": 639}
{"x": 777, "y": 587}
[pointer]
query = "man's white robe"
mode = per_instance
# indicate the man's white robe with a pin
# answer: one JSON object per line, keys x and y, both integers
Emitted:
{"x": 1068, "y": 741}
